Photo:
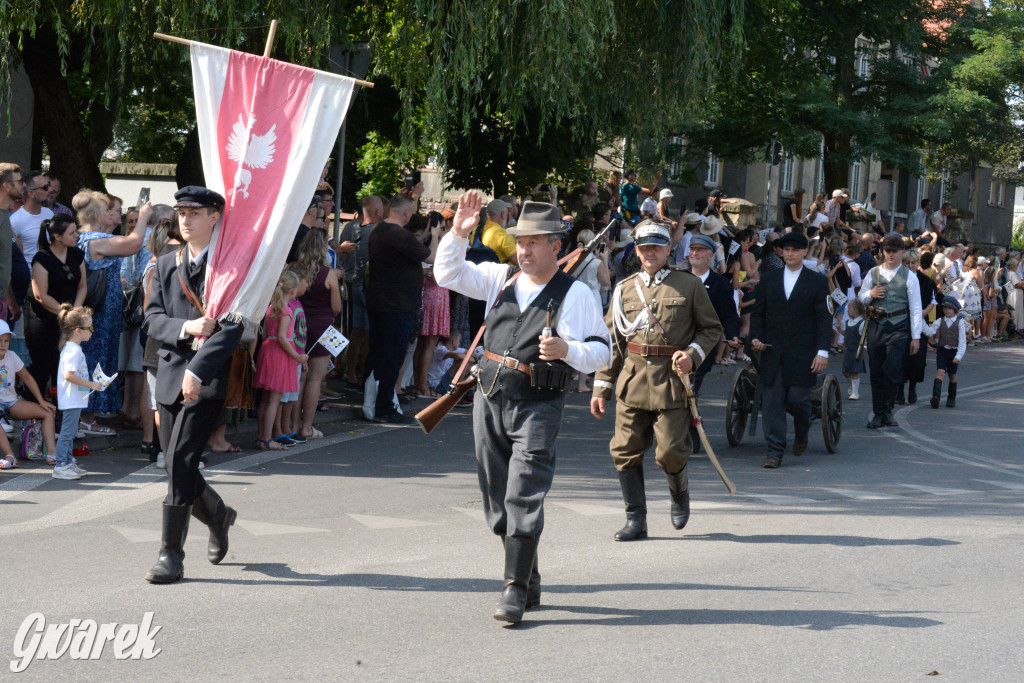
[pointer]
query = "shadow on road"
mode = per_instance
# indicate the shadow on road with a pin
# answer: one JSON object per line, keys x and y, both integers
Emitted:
{"x": 843, "y": 541}
{"x": 813, "y": 620}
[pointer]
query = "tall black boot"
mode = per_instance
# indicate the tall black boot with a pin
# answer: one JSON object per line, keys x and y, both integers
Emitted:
{"x": 170, "y": 567}
{"x": 533, "y": 589}
{"x": 936, "y": 392}
{"x": 678, "y": 486}
{"x": 912, "y": 393}
{"x": 520, "y": 557}
{"x": 211, "y": 511}
{"x": 900, "y": 400}
{"x": 951, "y": 396}
{"x": 631, "y": 480}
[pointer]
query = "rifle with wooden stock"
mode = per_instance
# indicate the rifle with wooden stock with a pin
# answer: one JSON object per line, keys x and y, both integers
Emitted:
{"x": 431, "y": 416}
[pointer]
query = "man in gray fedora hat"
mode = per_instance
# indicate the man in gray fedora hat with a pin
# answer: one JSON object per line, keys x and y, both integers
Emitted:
{"x": 542, "y": 327}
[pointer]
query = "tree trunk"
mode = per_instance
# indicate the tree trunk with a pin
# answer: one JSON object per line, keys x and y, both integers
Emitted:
{"x": 837, "y": 165}
{"x": 189, "y": 170}
{"x": 972, "y": 199}
{"x": 71, "y": 156}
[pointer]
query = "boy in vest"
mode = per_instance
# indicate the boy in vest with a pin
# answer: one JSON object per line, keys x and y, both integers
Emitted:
{"x": 950, "y": 346}
{"x": 892, "y": 294}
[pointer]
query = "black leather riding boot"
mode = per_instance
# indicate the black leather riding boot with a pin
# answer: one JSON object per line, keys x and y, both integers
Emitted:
{"x": 912, "y": 393}
{"x": 678, "y": 486}
{"x": 210, "y": 509}
{"x": 631, "y": 481}
{"x": 520, "y": 558}
{"x": 951, "y": 396}
{"x": 900, "y": 400}
{"x": 170, "y": 566}
{"x": 936, "y": 392}
{"x": 533, "y": 589}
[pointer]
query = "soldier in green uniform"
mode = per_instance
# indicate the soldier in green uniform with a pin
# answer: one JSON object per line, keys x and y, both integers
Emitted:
{"x": 658, "y": 317}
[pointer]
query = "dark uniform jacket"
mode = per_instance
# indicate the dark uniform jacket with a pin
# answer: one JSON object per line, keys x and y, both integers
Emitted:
{"x": 684, "y": 310}
{"x": 720, "y": 291}
{"x": 167, "y": 311}
{"x": 796, "y": 328}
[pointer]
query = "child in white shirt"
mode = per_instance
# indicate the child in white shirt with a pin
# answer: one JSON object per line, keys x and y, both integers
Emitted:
{"x": 73, "y": 385}
{"x": 950, "y": 346}
{"x": 439, "y": 378}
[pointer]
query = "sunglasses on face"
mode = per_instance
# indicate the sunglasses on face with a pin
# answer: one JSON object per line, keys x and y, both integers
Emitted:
{"x": 42, "y": 187}
{"x": 87, "y": 329}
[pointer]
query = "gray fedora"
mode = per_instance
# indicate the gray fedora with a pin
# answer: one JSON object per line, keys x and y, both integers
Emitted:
{"x": 537, "y": 218}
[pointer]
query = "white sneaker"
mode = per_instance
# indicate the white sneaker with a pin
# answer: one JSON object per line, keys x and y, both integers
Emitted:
{"x": 79, "y": 434}
{"x": 78, "y": 470}
{"x": 7, "y": 426}
{"x": 854, "y": 396}
{"x": 160, "y": 463}
{"x": 202, "y": 465}
{"x": 65, "y": 473}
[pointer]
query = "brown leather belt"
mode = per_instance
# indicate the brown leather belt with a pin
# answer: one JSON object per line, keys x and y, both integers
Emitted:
{"x": 876, "y": 313}
{"x": 510, "y": 363}
{"x": 652, "y": 349}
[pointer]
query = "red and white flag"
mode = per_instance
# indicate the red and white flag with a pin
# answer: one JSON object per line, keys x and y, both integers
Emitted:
{"x": 266, "y": 129}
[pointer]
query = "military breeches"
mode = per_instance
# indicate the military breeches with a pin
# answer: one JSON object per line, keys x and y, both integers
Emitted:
{"x": 515, "y": 457}
{"x": 636, "y": 429}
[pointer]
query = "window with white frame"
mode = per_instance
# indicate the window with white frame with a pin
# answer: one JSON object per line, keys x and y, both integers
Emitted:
{"x": 675, "y": 169}
{"x": 995, "y": 192}
{"x": 922, "y": 187}
{"x": 862, "y": 65}
{"x": 788, "y": 170}
{"x": 942, "y": 187}
{"x": 855, "y": 180}
{"x": 714, "y": 174}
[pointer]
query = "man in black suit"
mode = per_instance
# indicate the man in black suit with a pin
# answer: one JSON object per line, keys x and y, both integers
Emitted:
{"x": 791, "y": 327}
{"x": 191, "y": 383}
{"x": 720, "y": 292}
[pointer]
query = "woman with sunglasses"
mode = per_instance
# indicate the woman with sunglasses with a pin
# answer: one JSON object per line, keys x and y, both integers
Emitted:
{"x": 58, "y": 277}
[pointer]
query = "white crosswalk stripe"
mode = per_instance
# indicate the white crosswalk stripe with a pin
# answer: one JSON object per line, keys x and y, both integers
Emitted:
{"x": 1012, "y": 485}
{"x": 376, "y": 522}
{"x": 271, "y": 529}
{"x": 861, "y": 495}
{"x": 938, "y": 490}
{"x": 588, "y": 509}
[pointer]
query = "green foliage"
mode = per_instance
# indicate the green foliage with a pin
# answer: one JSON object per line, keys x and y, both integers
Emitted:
{"x": 798, "y": 83}
{"x": 383, "y": 164}
{"x": 527, "y": 76}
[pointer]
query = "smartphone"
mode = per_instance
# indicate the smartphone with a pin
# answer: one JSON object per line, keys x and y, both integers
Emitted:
{"x": 143, "y": 197}
{"x": 412, "y": 179}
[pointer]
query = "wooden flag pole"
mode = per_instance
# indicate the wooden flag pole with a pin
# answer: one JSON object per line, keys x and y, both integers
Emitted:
{"x": 270, "y": 38}
{"x": 266, "y": 52}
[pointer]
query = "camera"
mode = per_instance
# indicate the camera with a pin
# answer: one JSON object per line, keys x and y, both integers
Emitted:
{"x": 412, "y": 179}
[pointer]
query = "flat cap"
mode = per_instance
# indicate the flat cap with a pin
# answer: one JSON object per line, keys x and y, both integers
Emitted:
{"x": 792, "y": 239}
{"x": 195, "y": 197}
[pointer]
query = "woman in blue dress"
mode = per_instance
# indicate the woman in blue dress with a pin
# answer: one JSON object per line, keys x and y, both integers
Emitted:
{"x": 99, "y": 215}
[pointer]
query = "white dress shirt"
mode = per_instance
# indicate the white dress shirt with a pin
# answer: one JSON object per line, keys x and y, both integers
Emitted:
{"x": 579, "y": 317}
{"x": 789, "y": 278}
{"x": 962, "y": 326}
{"x": 913, "y": 294}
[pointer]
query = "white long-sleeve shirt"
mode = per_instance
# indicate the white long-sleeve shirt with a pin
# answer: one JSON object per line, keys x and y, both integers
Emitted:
{"x": 962, "y": 326}
{"x": 913, "y": 295}
{"x": 579, "y": 318}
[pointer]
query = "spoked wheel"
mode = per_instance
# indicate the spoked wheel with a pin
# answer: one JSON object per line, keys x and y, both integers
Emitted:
{"x": 831, "y": 413}
{"x": 739, "y": 405}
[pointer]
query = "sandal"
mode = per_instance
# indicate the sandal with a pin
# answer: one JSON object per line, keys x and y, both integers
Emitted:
{"x": 268, "y": 445}
{"x": 94, "y": 429}
{"x": 314, "y": 434}
{"x": 6, "y": 464}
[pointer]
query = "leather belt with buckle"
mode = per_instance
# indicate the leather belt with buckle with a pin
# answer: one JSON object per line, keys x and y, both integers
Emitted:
{"x": 652, "y": 349}
{"x": 510, "y": 363}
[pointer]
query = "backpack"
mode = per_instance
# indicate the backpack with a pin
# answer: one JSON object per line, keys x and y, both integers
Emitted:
{"x": 32, "y": 446}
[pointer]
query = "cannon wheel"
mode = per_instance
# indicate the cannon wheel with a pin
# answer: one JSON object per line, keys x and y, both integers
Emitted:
{"x": 831, "y": 413}
{"x": 739, "y": 406}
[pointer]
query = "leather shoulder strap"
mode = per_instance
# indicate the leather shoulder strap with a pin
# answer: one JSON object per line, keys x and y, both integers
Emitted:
{"x": 189, "y": 294}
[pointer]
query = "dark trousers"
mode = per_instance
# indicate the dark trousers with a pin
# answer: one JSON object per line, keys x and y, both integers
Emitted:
{"x": 184, "y": 431}
{"x": 775, "y": 401}
{"x": 41, "y": 335}
{"x": 888, "y": 348}
{"x": 515, "y": 457}
{"x": 389, "y": 340}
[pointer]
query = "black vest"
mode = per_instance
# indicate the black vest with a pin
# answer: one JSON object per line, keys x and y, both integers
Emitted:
{"x": 514, "y": 333}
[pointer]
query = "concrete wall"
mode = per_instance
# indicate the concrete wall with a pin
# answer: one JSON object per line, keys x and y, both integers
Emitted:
{"x": 17, "y": 147}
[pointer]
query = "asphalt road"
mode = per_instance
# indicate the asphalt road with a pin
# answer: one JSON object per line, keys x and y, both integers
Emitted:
{"x": 365, "y": 557}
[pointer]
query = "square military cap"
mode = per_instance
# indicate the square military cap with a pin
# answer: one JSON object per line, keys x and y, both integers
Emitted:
{"x": 195, "y": 197}
{"x": 537, "y": 218}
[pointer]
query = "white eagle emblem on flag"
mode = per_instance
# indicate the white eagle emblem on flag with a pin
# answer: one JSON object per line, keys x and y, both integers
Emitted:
{"x": 254, "y": 152}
